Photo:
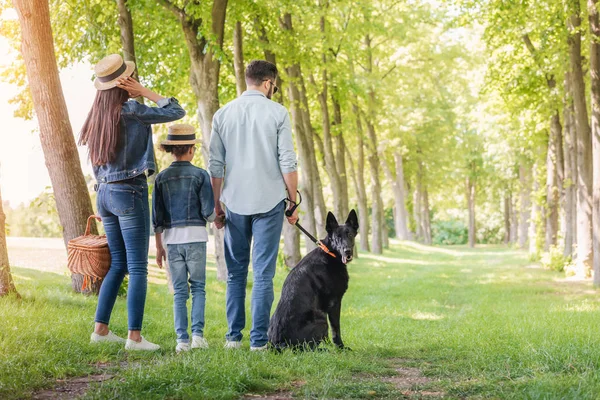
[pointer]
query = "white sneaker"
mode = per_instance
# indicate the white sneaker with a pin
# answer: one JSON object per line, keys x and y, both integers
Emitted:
{"x": 141, "y": 345}
{"x": 182, "y": 347}
{"x": 232, "y": 345}
{"x": 198, "y": 342}
{"x": 261, "y": 348}
{"x": 109, "y": 337}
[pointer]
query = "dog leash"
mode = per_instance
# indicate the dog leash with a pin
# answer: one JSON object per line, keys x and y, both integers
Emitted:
{"x": 289, "y": 212}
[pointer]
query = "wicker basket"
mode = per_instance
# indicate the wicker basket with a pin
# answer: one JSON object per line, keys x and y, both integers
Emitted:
{"x": 89, "y": 256}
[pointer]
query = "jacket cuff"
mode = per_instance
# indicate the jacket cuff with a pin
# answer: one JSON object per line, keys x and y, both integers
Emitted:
{"x": 166, "y": 101}
{"x": 211, "y": 217}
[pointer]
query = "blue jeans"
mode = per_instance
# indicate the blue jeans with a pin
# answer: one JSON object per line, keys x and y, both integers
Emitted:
{"x": 125, "y": 214}
{"x": 239, "y": 231}
{"x": 188, "y": 260}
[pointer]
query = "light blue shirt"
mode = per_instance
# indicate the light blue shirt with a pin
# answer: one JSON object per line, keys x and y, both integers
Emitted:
{"x": 251, "y": 146}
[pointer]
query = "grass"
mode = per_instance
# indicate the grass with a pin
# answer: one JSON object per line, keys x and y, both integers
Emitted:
{"x": 479, "y": 323}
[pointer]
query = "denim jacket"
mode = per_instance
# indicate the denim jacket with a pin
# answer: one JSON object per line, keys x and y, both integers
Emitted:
{"x": 182, "y": 196}
{"x": 135, "y": 151}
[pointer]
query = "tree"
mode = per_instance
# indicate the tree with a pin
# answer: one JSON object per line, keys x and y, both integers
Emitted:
{"x": 584, "y": 150}
{"x": 60, "y": 152}
{"x": 127, "y": 39}
{"x": 7, "y": 285}
{"x": 595, "y": 83}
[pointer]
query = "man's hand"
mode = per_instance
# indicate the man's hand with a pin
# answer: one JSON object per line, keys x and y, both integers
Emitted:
{"x": 160, "y": 256}
{"x": 293, "y": 218}
{"x": 220, "y": 216}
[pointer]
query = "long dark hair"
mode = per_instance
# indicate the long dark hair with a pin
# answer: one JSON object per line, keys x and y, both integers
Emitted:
{"x": 100, "y": 131}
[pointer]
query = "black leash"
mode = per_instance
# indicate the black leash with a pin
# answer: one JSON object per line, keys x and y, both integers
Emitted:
{"x": 289, "y": 212}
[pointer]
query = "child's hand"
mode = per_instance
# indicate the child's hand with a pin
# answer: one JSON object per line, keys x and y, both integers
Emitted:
{"x": 160, "y": 256}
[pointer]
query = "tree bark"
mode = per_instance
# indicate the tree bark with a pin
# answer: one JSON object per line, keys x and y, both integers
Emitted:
{"x": 363, "y": 210}
{"x": 417, "y": 215}
{"x": 524, "y": 204}
{"x": 127, "y": 39}
{"x": 470, "y": 189}
{"x": 56, "y": 135}
{"x": 397, "y": 184}
{"x": 535, "y": 213}
{"x": 340, "y": 148}
{"x": 238, "y": 59}
{"x": 584, "y": 148}
{"x": 570, "y": 174}
{"x": 427, "y": 239}
{"x": 7, "y": 285}
{"x": 514, "y": 222}
{"x": 204, "y": 79}
{"x": 507, "y": 218}
{"x": 595, "y": 84}
{"x": 552, "y": 191}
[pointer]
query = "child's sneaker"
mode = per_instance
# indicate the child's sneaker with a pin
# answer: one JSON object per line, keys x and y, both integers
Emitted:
{"x": 258, "y": 348}
{"x": 198, "y": 342}
{"x": 182, "y": 347}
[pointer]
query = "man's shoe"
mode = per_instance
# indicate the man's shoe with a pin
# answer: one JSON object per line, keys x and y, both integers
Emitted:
{"x": 232, "y": 345}
{"x": 143, "y": 345}
{"x": 182, "y": 347}
{"x": 198, "y": 342}
{"x": 109, "y": 337}
{"x": 259, "y": 348}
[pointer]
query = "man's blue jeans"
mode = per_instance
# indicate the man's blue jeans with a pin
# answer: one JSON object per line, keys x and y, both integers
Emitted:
{"x": 188, "y": 260}
{"x": 239, "y": 231}
{"x": 126, "y": 217}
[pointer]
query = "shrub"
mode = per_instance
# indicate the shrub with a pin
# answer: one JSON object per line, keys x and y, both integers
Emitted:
{"x": 452, "y": 231}
{"x": 554, "y": 259}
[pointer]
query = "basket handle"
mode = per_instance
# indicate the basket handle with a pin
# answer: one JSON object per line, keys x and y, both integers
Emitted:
{"x": 89, "y": 223}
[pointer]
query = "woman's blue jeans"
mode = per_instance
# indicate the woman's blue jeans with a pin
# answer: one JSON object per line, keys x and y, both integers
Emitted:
{"x": 126, "y": 217}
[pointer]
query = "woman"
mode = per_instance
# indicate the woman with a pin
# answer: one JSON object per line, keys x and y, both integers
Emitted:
{"x": 118, "y": 134}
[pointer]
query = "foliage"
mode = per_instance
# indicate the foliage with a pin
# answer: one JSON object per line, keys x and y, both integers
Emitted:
{"x": 449, "y": 232}
{"x": 38, "y": 219}
{"x": 554, "y": 259}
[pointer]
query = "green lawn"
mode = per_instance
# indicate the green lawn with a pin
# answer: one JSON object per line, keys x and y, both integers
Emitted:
{"x": 479, "y": 323}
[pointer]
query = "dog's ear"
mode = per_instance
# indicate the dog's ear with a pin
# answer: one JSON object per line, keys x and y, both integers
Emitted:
{"x": 352, "y": 220}
{"x": 331, "y": 223}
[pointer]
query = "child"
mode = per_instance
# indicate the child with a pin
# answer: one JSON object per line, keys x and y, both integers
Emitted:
{"x": 183, "y": 203}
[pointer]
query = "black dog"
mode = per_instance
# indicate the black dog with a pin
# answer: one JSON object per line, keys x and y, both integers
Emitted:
{"x": 314, "y": 289}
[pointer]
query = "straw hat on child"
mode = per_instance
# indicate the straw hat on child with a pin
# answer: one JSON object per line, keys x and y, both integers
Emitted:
{"x": 110, "y": 69}
{"x": 181, "y": 134}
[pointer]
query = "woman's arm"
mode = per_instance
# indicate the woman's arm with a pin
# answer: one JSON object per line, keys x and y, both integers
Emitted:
{"x": 168, "y": 110}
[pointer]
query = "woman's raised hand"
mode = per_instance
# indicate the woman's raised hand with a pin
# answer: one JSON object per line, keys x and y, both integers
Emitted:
{"x": 133, "y": 87}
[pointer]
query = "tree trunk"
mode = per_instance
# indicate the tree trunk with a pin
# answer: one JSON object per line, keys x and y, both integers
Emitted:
{"x": 552, "y": 192}
{"x": 426, "y": 219}
{"x": 584, "y": 148}
{"x": 386, "y": 236}
{"x": 7, "y": 285}
{"x": 570, "y": 174}
{"x": 204, "y": 79}
{"x": 340, "y": 148}
{"x": 419, "y": 234}
{"x": 470, "y": 188}
{"x": 363, "y": 210}
{"x": 56, "y": 135}
{"x": 535, "y": 214}
{"x": 524, "y": 204}
{"x": 514, "y": 222}
{"x": 238, "y": 59}
{"x": 507, "y": 218}
{"x": 595, "y": 83}
{"x": 127, "y": 40}
{"x": 397, "y": 184}
{"x": 377, "y": 202}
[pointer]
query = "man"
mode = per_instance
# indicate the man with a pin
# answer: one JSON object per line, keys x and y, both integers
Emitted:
{"x": 252, "y": 150}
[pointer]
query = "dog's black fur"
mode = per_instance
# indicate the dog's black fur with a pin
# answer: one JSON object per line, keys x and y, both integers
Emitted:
{"x": 313, "y": 291}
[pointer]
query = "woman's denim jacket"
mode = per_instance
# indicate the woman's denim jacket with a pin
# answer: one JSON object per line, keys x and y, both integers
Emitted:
{"x": 135, "y": 150}
{"x": 182, "y": 196}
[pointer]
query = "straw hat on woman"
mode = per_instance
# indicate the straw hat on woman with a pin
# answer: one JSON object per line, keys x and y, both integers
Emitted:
{"x": 118, "y": 134}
